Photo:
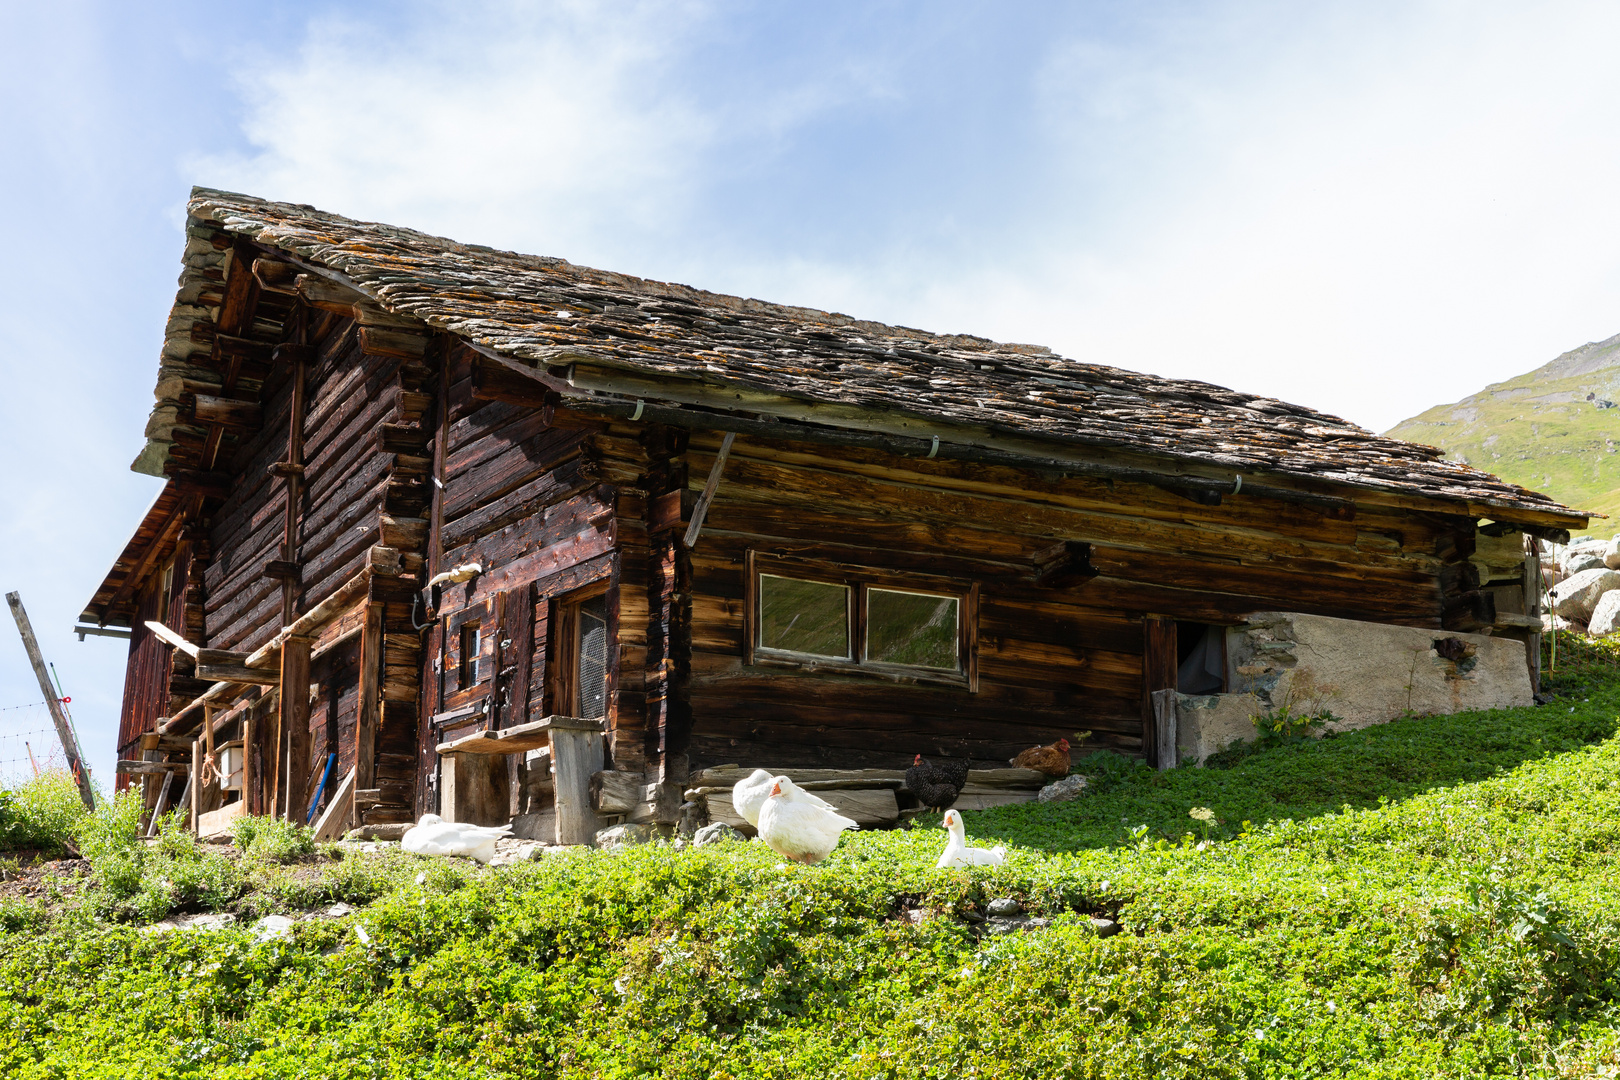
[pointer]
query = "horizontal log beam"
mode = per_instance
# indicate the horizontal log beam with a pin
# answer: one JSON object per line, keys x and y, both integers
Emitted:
{"x": 228, "y": 412}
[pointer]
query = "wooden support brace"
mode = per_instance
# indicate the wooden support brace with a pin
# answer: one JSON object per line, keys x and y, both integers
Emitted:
{"x": 701, "y": 510}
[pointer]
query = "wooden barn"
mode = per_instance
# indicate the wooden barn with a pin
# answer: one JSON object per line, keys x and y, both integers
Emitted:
{"x": 427, "y": 498}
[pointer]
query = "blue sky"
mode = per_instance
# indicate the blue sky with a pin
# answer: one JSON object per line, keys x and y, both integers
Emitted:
{"x": 1364, "y": 207}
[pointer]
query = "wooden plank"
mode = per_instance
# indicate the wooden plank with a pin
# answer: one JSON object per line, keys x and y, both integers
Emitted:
{"x": 70, "y": 745}
{"x": 727, "y": 775}
{"x": 218, "y": 822}
{"x": 474, "y": 789}
{"x": 370, "y": 706}
{"x": 701, "y": 510}
{"x": 872, "y": 807}
{"x": 237, "y": 673}
{"x": 520, "y": 737}
{"x": 576, "y": 755}
{"x": 1165, "y": 751}
{"x": 334, "y": 820}
{"x": 157, "y": 808}
{"x": 196, "y": 788}
{"x": 1158, "y": 673}
{"x": 165, "y": 634}
{"x": 151, "y": 768}
{"x": 294, "y": 721}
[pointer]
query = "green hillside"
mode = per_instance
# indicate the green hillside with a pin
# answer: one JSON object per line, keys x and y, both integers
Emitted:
{"x": 1555, "y": 430}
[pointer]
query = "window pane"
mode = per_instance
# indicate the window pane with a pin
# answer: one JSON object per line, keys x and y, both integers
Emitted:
{"x": 591, "y": 673}
{"x": 804, "y": 616}
{"x": 911, "y": 628}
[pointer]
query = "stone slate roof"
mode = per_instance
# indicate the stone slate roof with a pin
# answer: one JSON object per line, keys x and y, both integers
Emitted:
{"x": 546, "y": 311}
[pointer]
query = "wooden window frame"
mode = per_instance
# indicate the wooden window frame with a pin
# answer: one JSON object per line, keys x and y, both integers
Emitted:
{"x": 563, "y": 668}
{"x": 859, "y": 580}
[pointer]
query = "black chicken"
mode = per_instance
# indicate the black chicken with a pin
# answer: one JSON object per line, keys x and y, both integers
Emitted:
{"x": 936, "y": 786}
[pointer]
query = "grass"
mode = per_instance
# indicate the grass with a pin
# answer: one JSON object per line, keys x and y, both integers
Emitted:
{"x": 1429, "y": 898}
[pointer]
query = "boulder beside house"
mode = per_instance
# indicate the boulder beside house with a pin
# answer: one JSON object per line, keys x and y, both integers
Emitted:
{"x": 451, "y": 528}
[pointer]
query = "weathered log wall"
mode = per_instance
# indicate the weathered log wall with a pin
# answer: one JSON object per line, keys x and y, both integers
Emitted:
{"x": 525, "y": 497}
{"x": 1053, "y": 658}
{"x": 149, "y": 669}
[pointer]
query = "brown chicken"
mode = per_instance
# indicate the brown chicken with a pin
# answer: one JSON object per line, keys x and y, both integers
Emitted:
{"x": 1053, "y": 759}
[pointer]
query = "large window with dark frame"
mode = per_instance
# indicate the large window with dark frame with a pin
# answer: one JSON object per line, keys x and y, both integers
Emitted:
{"x": 831, "y": 617}
{"x": 580, "y": 679}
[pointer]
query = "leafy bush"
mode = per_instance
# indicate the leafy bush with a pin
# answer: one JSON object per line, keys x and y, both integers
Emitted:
{"x": 273, "y": 839}
{"x": 110, "y": 839}
{"x": 41, "y": 813}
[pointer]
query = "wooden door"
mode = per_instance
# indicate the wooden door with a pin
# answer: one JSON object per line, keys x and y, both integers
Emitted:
{"x": 486, "y": 653}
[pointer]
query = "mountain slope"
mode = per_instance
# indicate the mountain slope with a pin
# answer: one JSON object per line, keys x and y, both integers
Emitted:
{"x": 1555, "y": 430}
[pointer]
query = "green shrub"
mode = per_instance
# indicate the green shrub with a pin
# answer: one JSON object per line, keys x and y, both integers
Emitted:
{"x": 110, "y": 839}
{"x": 273, "y": 839}
{"x": 41, "y": 813}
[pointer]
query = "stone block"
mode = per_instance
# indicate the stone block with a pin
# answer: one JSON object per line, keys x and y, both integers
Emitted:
{"x": 1611, "y": 554}
{"x": 1362, "y": 673}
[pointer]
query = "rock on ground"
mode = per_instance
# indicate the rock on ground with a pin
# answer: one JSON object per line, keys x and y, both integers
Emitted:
{"x": 718, "y": 833}
{"x": 1606, "y": 615}
{"x": 1611, "y": 554}
{"x": 1575, "y": 597}
{"x": 620, "y": 835}
{"x": 1063, "y": 790}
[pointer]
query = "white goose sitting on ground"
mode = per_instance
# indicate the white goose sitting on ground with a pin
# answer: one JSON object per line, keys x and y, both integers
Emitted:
{"x": 795, "y": 827}
{"x": 958, "y": 853}
{"x": 749, "y": 794}
{"x": 435, "y": 836}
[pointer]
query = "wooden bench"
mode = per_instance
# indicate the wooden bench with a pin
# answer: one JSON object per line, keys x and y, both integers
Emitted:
{"x": 476, "y": 771}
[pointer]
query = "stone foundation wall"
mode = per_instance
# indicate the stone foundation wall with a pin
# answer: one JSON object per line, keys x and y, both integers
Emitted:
{"x": 1363, "y": 673}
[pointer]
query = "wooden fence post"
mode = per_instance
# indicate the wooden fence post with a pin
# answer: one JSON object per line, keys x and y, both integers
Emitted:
{"x": 70, "y": 747}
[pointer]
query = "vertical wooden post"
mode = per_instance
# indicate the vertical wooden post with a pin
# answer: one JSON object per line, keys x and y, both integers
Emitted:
{"x": 1158, "y": 673}
{"x": 196, "y": 781}
{"x": 1532, "y": 606}
{"x": 293, "y": 467}
{"x": 1166, "y": 753}
{"x": 252, "y": 801}
{"x": 576, "y": 755}
{"x": 370, "y": 707}
{"x": 273, "y": 769}
{"x": 70, "y": 747}
{"x": 294, "y": 720}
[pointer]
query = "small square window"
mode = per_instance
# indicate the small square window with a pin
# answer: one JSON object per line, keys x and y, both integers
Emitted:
{"x": 471, "y": 644}
{"x": 916, "y": 629}
{"x": 810, "y": 617}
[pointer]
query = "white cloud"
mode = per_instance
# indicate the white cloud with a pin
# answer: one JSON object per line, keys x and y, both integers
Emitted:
{"x": 1366, "y": 208}
{"x": 506, "y": 122}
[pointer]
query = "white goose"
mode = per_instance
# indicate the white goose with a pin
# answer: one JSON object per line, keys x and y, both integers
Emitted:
{"x": 795, "y": 827}
{"x": 435, "y": 836}
{"x": 957, "y": 852}
{"x": 749, "y": 794}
